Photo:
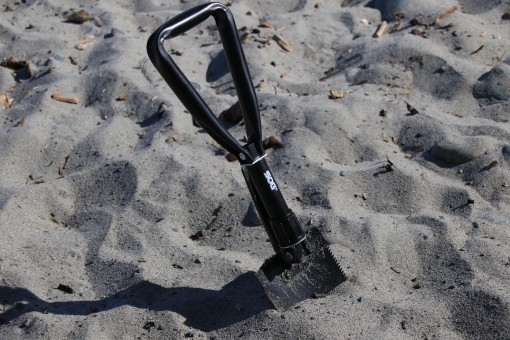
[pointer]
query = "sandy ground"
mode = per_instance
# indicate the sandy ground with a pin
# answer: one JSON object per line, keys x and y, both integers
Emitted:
{"x": 407, "y": 174}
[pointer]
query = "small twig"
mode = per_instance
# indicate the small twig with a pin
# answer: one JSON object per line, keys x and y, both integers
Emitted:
{"x": 396, "y": 271}
{"x": 58, "y": 97}
{"x": 65, "y": 161}
{"x": 444, "y": 15}
{"x": 215, "y": 214}
{"x": 381, "y": 29}
{"x": 61, "y": 169}
{"x": 478, "y": 50}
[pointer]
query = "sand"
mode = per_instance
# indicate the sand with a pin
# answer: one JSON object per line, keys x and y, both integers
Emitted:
{"x": 120, "y": 219}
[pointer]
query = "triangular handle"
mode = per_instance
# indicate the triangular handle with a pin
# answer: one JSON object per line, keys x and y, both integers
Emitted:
{"x": 188, "y": 95}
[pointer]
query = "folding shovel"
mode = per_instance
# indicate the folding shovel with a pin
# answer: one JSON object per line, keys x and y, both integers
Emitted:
{"x": 303, "y": 265}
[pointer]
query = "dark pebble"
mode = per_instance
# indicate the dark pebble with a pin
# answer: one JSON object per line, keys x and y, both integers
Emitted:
{"x": 65, "y": 288}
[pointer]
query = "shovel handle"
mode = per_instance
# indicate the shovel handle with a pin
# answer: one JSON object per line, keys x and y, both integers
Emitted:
{"x": 188, "y": 95}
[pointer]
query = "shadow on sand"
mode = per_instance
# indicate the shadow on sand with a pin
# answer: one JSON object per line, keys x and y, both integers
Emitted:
{"x": 206, "y": 310}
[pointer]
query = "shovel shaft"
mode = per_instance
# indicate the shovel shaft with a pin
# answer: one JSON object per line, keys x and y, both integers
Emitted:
{"x": 282, "y": 225}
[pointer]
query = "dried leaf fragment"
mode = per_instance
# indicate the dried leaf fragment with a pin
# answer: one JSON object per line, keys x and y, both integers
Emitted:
{"x": 338, "y": 94}
{"x": 58, "y": 97}
{"x": 20, "y": 67}
{"x": 79, "y": 17}
{"x": 14, "y": 64}
{"x": 5, "y": 101}
{"x": 265, "y": 24}
{"x": 284, "y": 44}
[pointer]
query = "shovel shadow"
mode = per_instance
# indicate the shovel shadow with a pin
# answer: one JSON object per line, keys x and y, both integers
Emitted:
{"x": 204, "y": 309}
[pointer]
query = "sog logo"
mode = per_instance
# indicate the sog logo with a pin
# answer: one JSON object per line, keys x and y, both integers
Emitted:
{"x": 270, "y": 180}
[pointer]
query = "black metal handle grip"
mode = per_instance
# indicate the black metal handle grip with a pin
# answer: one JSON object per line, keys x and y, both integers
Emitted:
{"x": 188, "y": 95}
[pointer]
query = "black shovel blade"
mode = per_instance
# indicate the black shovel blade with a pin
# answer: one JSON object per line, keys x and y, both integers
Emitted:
{"x": 315, "y": 276}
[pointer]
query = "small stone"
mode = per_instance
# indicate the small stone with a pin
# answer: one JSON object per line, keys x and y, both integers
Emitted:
{"x": 231, "y": 157}
{"x": 199, "y": 235}
{"x": 338, "y": 94}
{"x": 79, "y": 17}
{"x": 65, "y": 288}
{"x": 149, "y": 325}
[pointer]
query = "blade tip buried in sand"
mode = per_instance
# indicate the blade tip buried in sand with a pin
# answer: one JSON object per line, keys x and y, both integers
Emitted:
{"x": 315, "y": 277}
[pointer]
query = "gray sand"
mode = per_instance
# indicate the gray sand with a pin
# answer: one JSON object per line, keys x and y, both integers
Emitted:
{"x": 99, "y": 200}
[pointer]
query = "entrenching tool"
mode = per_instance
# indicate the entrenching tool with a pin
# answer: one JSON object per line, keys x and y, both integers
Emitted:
{"x": 303, "y": 266}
